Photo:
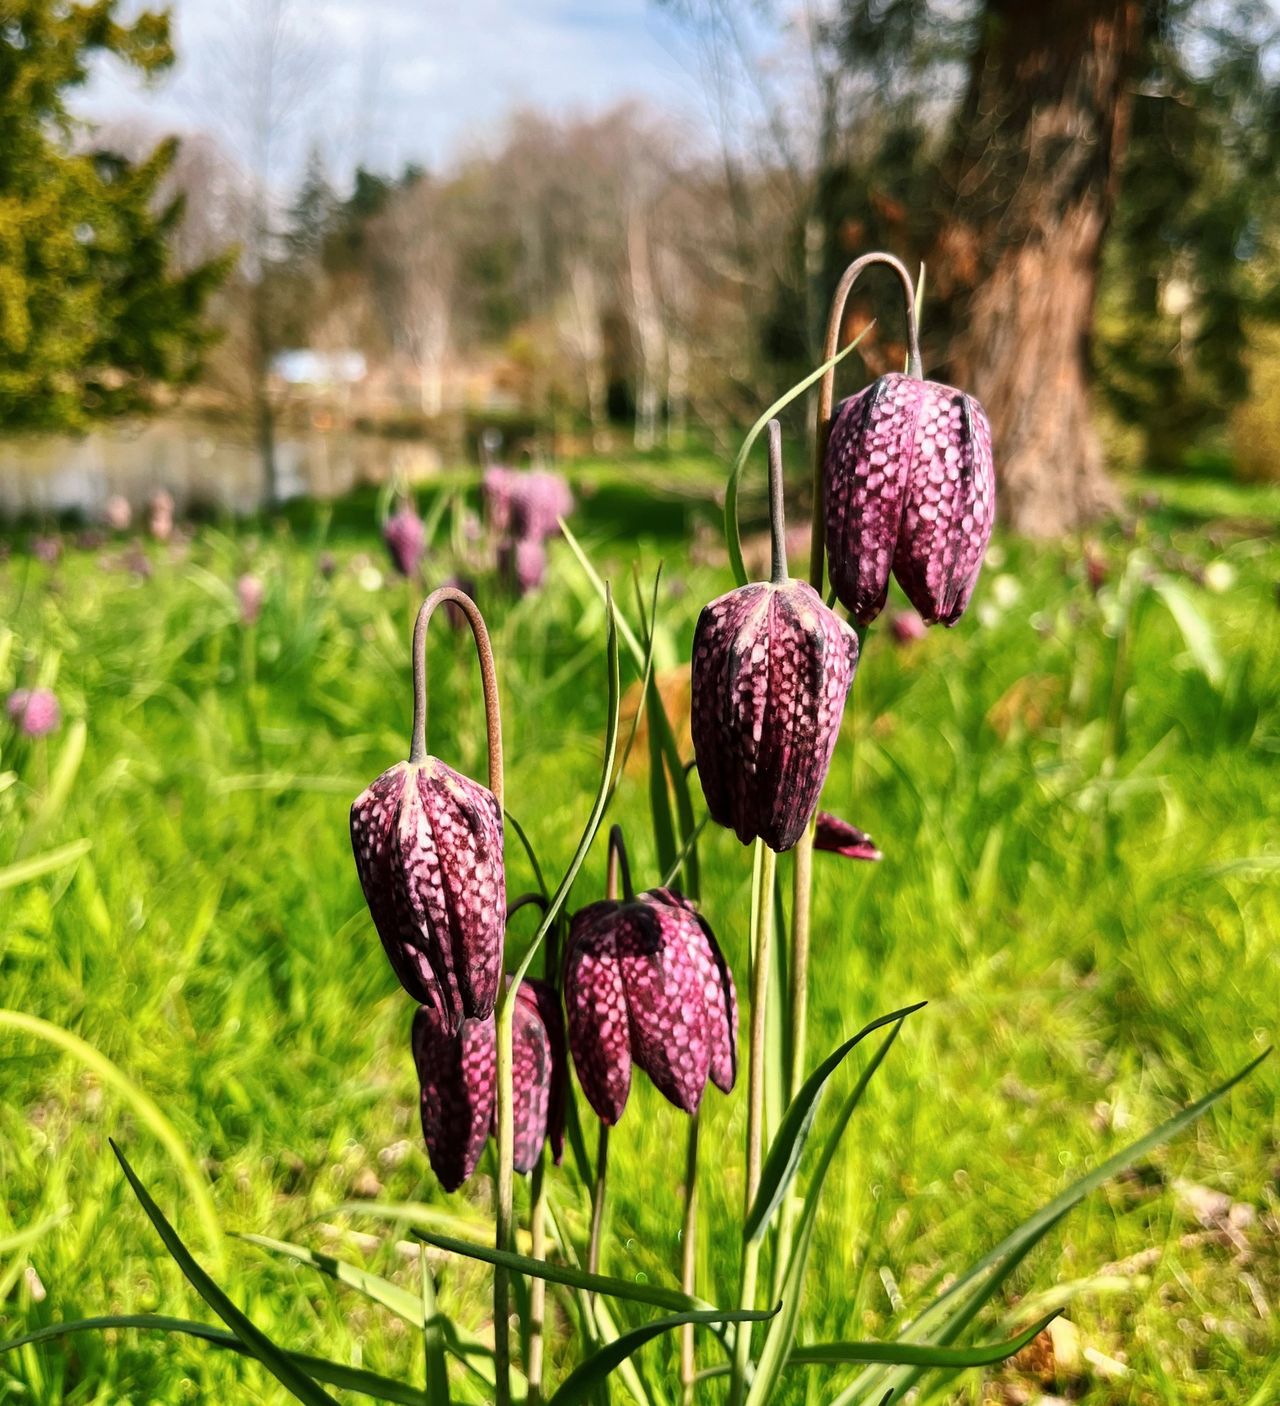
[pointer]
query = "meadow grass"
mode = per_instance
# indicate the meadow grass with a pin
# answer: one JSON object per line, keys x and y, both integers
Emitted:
{"x": 1075, "y": 796}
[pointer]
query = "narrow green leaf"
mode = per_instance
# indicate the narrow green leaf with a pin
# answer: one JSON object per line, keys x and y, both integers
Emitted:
{"x": 584, "y": 561}
{"x": 588, "y": 1375}
{"x": 332, "y": 1373}
{"x": 529, "y": 850}
{"x": 782, "y": 1332}
{"x": 565, "y": 1274}
{"x": 382, "y": 1291}
{"x": 433, "y": 1338}
{"x": 915, "y": 1354}
{"x": 28, "y": 1235}
{"x": 1197, "y": 633}
{"x": 274, "y": 1359}
{"x": 143, "y": 1106}
{"x": 24, "y": 870}
{"x": 732, "y": 533}
{"x": 664, "y": 829}
{"x": 783, "y": 1161}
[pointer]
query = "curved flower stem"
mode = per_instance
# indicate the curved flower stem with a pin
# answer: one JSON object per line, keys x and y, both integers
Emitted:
{"x": 504, "y": 1214}
{"x": 762, "y": 933}
{"x": 827, "y": 386}
{"x": 689, "y": 1267}
{"x": 777, "y": 507}
{"x": 597, "y": 1199}
{"x": 538, "y": 1287}
{"x": 488, "y": 679}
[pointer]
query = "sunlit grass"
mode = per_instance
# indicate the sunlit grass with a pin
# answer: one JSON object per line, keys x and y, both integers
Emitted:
{"x": 1076, "y": 803}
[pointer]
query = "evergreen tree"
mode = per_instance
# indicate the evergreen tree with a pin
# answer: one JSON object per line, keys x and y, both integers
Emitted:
{"x": 92, "y": 316}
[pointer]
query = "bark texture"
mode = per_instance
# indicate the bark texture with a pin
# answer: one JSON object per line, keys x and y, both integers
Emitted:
{"x": 1035, "y": 163}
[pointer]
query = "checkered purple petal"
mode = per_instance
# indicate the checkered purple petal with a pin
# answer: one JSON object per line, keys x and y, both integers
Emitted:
{"x": 457, "y": 1074}
{"x": 596, "y": 1006}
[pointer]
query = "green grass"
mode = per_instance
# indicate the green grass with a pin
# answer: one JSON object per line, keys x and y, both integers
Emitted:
{"x": 1076, "y": 803}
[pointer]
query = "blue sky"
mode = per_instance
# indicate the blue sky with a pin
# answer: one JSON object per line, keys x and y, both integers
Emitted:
{"x": 420, "y": 80}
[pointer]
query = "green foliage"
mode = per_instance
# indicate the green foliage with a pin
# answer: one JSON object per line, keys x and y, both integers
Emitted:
{"x": 92, "y": 314}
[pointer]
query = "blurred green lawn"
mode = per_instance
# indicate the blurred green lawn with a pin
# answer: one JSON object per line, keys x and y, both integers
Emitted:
{"x": 1075, "y": 795}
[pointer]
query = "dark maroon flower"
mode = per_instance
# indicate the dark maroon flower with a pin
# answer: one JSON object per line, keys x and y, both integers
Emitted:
{"x": 910, "y": 489}
{"x": 406, "y": 539}
{"x": 428, "y": 848}
{"x": 772, "y": 666}
{"x": 836, "y": 836}
{"x": 458, "y": 1075}
{"x": 34, "y": 711}
{"x": 645, "y": 984}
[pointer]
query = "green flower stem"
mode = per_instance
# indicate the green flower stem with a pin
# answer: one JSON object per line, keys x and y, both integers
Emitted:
{"x": 505, "y": 1213}
{"x": 689, "y": 1268}
{"x": 597, "y": 1199}
{"x": 538, "y": 1287}
{"x": 762, "y": 934}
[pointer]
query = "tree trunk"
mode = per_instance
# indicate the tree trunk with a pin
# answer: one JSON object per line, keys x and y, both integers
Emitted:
{"x": 1035, "y": 162}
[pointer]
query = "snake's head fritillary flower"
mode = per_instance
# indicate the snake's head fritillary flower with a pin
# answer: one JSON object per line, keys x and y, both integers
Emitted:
{"x": 458, "y": 1078}
{"x": 645, "y": 984}
{"x": 46, "y": 549}
{"x": 772, "y": 666}
{"x": 836, "y": 836}
{"x": 428, "y": 848}
{"x": 160, "y": 516}
{"x": 35, "y": 712}
{"x": 406, "y": 539}
{"x": 909, "y": 489}
{"x": 249, "y": 593}
{"x": 524, "y": 562}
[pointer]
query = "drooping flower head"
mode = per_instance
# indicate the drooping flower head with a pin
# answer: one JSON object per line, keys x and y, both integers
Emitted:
{"x": 906, "y": 627}
{"x": 645, "y": 984}
{"x": 117, "y": 513}
{"x": 836, "y": 836}
{"x": 428, "y": 849}
{"x": 772, "y": 667}
{"x": 525, "y": 506}
{"x": 908, "y": 485}
{"x": 406, "y": 539}
{"x": 160, "y": 515}
{"x": 35, "y": 712}
{"x": 458, "y": 1077}
{"x": 47, "y": 549}
{"x": 524, "y": 564}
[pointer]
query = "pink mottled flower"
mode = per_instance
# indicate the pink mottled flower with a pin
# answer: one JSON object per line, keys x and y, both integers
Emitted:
{"x": 406, "y": 539}
{"x": 910, "y": 489}
{"x": 458, "y": 1076}
{"x": 836, "y": 836}
{"x": 250, "y": 592}
{"x": 645, "y": 984}
{"x": 906, "y": 627}
{"x": 524, "y": 564}
{"x": 34, "y": 711}
{"x": 117, "y": 514}
{"x": 772, "y": 667}
{"x": 428, "y": 848}
{"x": 160, "y": 516}
{"x": 525, "y": 506}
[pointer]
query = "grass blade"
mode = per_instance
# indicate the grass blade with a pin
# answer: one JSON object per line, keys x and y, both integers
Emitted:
{"x": 783, "y": 1161}
{"x": 382, "y": 1291}
{"x": 331, "y": 1373}
{"x": 588, "y": 1375}
{"x": 143, "y": 1106}
{"x": 274, "y": 1359}
{"x": 565, "y": 1274}
{"x": 24, "y": 870}
{"x": 916, "y": 1354}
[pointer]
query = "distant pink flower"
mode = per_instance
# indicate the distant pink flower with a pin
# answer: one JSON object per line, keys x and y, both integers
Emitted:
{"x": 906, "y": 626}
{"x": 160, "y": 516}
{"x": 836, "y": 836}
{"x": 35, "y": 712}
{"x": 250, "y": 592}
{"x": 525, "y": 505}
{"x": 530, "y": 566}
{"x": 117, "y": 514}
{"x": 406, "y": 539}
{"x": 46, "y": 549}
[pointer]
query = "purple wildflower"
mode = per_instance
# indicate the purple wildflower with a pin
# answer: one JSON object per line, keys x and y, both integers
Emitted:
{"x": 34, "y": 711}
{"x": 46, "y": 549}
{"x": 458, "y": 1075}
{"x": 906, "y": 627}
{"x": 428, "y": 848}
{"x": 160, "y": 516}
{"x": 909, "y": 488}
{"x": 406, "y": 539}
{"x": 645, "y": 984}
{"x": 836, "y": 836}
{"x": 250, "y": 592}
{"x": 117, "y": 514}
{"x": 772, "y": 666}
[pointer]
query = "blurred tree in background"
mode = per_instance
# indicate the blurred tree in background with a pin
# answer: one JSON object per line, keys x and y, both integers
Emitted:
{"x": 92, "y": 315}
